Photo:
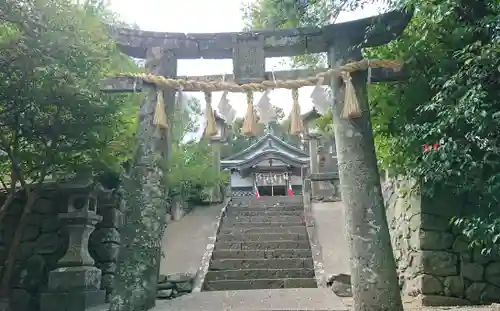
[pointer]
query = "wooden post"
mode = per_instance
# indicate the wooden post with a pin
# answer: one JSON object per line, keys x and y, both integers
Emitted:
{"x": 373, "y": 268}
{"x": 140, "y": 253}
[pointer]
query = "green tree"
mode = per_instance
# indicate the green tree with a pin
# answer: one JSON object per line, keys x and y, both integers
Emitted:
{"x": 54, "y": 120}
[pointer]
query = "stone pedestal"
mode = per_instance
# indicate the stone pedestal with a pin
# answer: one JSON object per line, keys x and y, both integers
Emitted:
{"x": 76, "y": 284}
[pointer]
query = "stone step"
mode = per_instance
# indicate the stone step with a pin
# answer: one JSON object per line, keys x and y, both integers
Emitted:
{"x": 289, "y": 230}
{"x": 265, "y": 212}
{"x": 262, "y": 237}
{"x": 259, "y": 284}
{"x": 284, "y": 299}
{"x": 268, "y": 245}
{"x": 237, "y": 224}
{"x": 245, "y": 274}
{"x": 266, "y": 219}
{"x": 261, "y": 254}
{"x": 289, "y": 263}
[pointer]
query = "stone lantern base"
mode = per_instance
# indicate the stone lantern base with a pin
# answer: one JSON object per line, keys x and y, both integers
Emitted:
{"x": 73, "y": 289}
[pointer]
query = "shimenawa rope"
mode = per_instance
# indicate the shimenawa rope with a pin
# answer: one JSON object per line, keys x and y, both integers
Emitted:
{"x": 351, "y": 108}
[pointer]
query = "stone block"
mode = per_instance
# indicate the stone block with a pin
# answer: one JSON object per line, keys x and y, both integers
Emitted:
{"x": 72, "y": 301}
{"x": 492, "y": 273}
{"x": 440, "y": 263}
{"x": 490, "y": 294}
{"x": 454, "y": 286}
{"x": 47, "y": 243}
{"x": 30, "y": 233}
{"x": 423, "y": 284}
{"x": 479, "y": 257}
{"x": 74, "y": 279}
{"x": 435, "y": 222}
{"x": 435, "y": 240}
{"x": 44, "y": 206}
{"x": 472, "y": 271}
{"x": 474, "y": 292}
{"x": 434, "y": 301}
{"x": 20, "y": 300}
{"x": 49, "y": 224}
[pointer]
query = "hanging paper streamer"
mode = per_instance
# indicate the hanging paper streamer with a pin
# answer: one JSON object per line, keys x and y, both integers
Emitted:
{"x": 211, "y": 128}
{"x": 265, "y": 108}
{"x": 296, "y": 125}
{"x": 351, "y": 108}
{"x": 320, "y": 98}
{"x": 160, "y": 117}
{"x": 249, "y": 124}
{"x": 226, "y": 110}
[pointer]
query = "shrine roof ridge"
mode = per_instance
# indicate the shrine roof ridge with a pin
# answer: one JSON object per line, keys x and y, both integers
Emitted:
{"x": 366, "y": 32}
{"x": 263, "y": 139}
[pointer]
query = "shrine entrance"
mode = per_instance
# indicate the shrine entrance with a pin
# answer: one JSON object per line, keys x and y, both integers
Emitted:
{"x": 272, "y": 184}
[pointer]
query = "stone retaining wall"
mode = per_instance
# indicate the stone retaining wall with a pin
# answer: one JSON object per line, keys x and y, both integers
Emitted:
{"x": 434, "y": 261}
{"x": 45, "y": 241}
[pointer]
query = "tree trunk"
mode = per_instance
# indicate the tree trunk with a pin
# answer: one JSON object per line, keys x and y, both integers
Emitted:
{"x": 374, "y": 278}
{"x": 16, "y": 241}
{"x": 145, "y": 197}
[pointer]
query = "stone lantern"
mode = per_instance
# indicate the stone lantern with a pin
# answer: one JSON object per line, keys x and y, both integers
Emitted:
{"x": 76, "y": 283}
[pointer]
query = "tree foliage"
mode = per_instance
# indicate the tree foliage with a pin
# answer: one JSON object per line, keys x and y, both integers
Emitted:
{"x": 451, "y": 51}
{"x": 54, "y": 120}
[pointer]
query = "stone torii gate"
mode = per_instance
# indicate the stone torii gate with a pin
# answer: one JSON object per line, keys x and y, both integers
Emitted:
{"x": 372, "y": 262}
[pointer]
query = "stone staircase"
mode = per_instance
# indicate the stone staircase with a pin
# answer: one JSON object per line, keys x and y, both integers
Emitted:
{"x": 262, "y": 244}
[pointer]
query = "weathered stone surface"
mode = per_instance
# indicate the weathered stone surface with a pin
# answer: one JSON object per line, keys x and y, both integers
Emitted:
{"x": 47, "y": 243}
{"x": 423, "y": 284}
{"x": 21, "y": 300}
{"x": 74, "y": 278}
{"x": 490, "y": 294}
{"x": 472, "y": 271}
{"x": 34, "y": 273}
{"x": 164, "y": 294}
{"x": 174, "y": 285}
{"x": 454, "y": 286}
{"x": 474, "y": 292}
{"x": 434, "y": 222}
{"x": 49, "y": 224}
{"x": 430, "y": 300}
{"x": 440, "y": 263}
{"x": 180, "y": 278}
{"x": 492, "y": 273}
{"x": 30, "y": 233}
{"x": 434, "y": 259}
{"x": 340, "y": 284}
{"x": 44, "y": 206}
{"x": 434, "y": 240}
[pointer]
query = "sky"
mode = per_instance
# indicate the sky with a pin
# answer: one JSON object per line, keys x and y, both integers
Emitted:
{"x": 206, "y": 16}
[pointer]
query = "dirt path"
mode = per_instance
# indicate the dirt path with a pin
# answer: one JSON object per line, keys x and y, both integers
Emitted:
{"x": 185, "y": 240}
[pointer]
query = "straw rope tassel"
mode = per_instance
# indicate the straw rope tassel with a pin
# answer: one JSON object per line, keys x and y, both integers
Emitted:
{"x": 351, "y": 109}
{"x": 249, "y": 125}
{"x": 160, "y": 117}
{"x": 211, "y": 128}
{"x": 296, "y": 125}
